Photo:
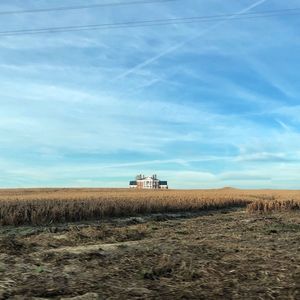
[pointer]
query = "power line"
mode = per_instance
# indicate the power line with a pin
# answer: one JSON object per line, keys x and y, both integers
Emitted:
{"x": 157, "y": 22}
{"x": 64, "y": 8}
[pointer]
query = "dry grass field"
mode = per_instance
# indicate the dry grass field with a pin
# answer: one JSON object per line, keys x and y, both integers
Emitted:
{"x": 44, "y": 206}
{"x": 128, "y": 244}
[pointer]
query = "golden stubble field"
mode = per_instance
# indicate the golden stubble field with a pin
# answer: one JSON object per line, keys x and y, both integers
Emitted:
{"x": 44, "y": 206}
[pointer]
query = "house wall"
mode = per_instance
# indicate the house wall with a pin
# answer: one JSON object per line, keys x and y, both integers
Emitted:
{"x": 133, "y": 186}
{"x": 140, "y": 184}
{"x": 163, "y": 187}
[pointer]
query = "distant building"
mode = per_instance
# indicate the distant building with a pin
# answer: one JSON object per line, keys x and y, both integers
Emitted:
{"x": 148, "y": 182}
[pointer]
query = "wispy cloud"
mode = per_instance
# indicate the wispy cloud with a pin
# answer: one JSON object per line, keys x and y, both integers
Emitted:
{"x": 183, "y": 43}
{"x": 201, "y": 105}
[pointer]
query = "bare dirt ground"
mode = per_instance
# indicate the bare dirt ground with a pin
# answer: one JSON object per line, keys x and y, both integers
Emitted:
{"x": 224, "y": 254}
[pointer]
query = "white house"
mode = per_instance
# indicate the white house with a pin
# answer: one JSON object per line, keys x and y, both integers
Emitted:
{"x": 148, "y": 182}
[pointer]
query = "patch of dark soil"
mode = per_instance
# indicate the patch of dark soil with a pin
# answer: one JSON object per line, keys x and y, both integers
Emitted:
{"x": 44, "y": 287}
{"x": 12, "y": 246}
{"x": 283, "y": 227}
{"x": 134, "y": 221}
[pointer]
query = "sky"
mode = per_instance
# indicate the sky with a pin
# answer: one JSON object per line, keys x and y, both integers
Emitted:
{"x": 202, "y": 105}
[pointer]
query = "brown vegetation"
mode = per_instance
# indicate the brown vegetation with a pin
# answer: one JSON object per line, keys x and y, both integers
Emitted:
{"x": 205, "y": 251}
{"x": 44, "y": 206}
{"x": 264, "y": 206}
{"x": 221, "y": 254}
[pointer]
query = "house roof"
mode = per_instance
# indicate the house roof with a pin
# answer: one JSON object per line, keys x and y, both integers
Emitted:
{"x": 163, "y": 182}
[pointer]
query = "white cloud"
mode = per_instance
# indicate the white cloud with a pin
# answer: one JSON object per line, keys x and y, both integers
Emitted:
{"x": 204, "y": 104}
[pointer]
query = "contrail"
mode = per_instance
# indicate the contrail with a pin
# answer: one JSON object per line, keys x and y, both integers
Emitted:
{"x": 179, "y": 45}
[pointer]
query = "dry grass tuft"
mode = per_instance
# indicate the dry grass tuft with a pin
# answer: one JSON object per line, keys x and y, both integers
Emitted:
{"x": 263, "y": 206}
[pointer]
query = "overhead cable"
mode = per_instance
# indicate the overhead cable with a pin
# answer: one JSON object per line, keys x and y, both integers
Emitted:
{"x": 64, "y": 8}
{"x": 155, "y": 22}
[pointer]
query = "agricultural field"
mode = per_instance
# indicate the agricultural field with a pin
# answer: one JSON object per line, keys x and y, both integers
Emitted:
{"x": 130, "y": 244}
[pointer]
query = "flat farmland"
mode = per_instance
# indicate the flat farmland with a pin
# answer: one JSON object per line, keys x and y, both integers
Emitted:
{"x": 130, "y": 244}
{"x": 44, "y": 206}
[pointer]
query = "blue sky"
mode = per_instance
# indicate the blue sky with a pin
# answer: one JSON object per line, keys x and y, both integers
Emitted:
{"x": 203, "y": 105}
